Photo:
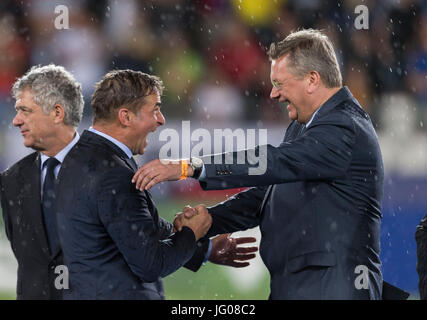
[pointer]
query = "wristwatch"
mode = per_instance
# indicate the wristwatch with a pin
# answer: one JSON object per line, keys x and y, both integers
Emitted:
{"x": 197, "y": 165}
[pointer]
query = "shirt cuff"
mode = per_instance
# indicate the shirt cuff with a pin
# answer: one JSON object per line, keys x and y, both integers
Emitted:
{"x": 208, "y": 253}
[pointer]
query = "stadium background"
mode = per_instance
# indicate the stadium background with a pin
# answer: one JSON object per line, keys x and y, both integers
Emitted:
{"x": 211, "y": 56}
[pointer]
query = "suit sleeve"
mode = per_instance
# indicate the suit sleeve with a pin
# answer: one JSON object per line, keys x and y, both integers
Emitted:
{"x": 323, "y": 152}
{"x": 4, "y": 205}
{"x": 125, "y": 213}
{"x": 165, "y": 228}
{"x": 196, "y": 260}
{"x": 238, "y": 213}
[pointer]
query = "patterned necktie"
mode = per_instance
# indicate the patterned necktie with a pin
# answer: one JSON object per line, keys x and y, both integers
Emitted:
{"x": 48, "y": 202}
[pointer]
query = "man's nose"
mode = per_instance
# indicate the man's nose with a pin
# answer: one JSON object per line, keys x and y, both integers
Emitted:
{"x": 17, "y": 120}
{"x": 161, "y": 119}
{"x": 274, "y": 94}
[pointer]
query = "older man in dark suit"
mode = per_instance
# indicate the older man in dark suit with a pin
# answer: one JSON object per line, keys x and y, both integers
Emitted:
{"x": 318, "y": 203}
{"x": 49, "y": 107}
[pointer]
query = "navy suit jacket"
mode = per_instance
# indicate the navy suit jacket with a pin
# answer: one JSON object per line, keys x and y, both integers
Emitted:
{"x": 318, "y": 204}
{"x": 23, "y": 221}
{"x": 114, "y": 243}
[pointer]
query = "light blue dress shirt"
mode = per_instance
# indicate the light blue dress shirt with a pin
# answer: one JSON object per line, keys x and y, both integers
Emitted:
{"x": 312, "y": 117}
{"x": 121, "y": 145}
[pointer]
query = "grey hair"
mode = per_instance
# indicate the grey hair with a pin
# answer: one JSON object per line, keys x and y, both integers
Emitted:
{"x": 51, "y": 85}
{"x": 309, "y": 50}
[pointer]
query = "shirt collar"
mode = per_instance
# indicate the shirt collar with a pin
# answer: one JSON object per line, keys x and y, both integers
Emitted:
{"x": 60, "y": 156}
{"x": 121, "y": 145}
{"x": 312, "y": 117}
{"x": 340, "y": 96}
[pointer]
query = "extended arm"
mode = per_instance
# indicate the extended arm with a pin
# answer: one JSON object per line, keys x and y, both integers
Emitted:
{"x": 323, "y": 152}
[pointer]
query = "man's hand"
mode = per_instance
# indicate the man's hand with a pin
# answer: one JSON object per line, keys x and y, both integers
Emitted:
{"x": 225, "y": 251}
{"x": 156, "y": 171}
{"x": 188, "y": 212}
{"x": 200, "y": 221}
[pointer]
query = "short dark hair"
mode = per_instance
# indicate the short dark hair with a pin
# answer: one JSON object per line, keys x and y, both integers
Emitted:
{"x": 309, "y": 50}
{"x": 120, "y": 88}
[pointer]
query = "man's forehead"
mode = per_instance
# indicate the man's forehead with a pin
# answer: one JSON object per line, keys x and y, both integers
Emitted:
{"x": 279, "y": 63}
{"x": 25, "y": 94}
{"x": 279, "y": 67}
{"x": 25, "y": 98}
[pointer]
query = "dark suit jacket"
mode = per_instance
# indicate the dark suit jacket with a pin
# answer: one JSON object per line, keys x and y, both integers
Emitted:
{"x": 115, "y": 245}
{"x": 23, "y": 219}
{"x": 318, "y": 204}
{"x": 421, "y": 239}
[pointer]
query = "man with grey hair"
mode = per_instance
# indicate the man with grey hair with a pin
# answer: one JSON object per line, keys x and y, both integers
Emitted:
{"x": 49, "y": 107}
{"x": 318, "y": 204}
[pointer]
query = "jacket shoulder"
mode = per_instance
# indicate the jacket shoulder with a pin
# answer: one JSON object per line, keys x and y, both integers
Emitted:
{"x": 345, "y": 114}
{"x": 20, "y": 165}
{"x": 93, "y": 156}
{"x": 96, "y": 164}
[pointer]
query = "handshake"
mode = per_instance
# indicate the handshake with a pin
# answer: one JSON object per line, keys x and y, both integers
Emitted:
{"x": 226, "y": 250}
{"x": 197, "y": 219}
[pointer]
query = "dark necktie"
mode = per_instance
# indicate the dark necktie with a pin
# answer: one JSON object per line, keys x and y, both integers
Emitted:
{"x": 48, "y": 203}
{"x": 135, "y": 166}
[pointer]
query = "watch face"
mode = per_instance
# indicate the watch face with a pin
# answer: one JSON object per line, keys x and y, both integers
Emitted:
{"x": 197, "y": 162}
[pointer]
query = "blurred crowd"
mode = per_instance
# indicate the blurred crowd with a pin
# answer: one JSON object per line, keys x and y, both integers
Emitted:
{"x": 211, "y": 53}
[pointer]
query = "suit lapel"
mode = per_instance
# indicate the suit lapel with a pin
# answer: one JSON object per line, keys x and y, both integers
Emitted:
{"x": 129, "y": 162}
{"x": 294, "y": 131}
{"x": 30, "y": 180}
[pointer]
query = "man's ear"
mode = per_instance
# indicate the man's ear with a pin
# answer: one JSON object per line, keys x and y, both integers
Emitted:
{"x": 59, "y": 113}
{"x": 314, "y": 81}
{"x": 125, "y": 116}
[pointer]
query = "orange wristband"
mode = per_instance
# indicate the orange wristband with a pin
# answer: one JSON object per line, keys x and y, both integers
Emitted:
{"x": 184, "y": 169}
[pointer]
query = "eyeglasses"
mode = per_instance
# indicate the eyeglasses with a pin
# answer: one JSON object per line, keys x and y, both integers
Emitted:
{"x": 276, "y": 84}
